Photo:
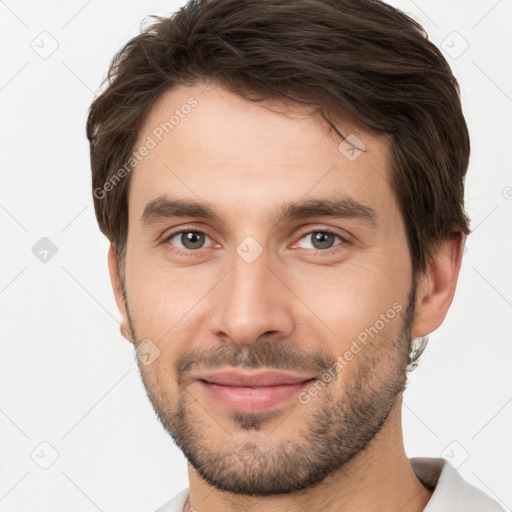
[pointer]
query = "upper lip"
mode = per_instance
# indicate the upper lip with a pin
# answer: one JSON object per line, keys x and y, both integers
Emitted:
{"x": 260, "y": 378}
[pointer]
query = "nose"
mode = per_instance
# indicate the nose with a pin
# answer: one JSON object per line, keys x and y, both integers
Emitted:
{"x": 251, "y": 301}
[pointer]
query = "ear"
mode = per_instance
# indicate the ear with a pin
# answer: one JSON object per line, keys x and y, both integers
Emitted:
{"x": 118, "y": 294}
{"x": 437, "y": 287}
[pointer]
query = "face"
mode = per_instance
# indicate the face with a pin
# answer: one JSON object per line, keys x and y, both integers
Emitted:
{"x": 268, "y": 288}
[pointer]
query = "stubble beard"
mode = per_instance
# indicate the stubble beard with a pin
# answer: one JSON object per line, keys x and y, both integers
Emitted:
{"x": 338, "y": 425}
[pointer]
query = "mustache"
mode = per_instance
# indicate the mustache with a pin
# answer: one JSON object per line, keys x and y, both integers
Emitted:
{"x": 268, "y": 354}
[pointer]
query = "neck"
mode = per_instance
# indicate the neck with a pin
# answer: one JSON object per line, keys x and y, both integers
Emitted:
{"x": 380, "y": 478}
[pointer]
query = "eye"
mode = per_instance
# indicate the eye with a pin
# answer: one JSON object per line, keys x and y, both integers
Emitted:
{"x": 188, "y": 240}
{"x": 321, "y": 240}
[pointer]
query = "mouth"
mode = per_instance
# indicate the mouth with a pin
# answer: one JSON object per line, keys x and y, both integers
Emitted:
{"x": 252, "y": 392}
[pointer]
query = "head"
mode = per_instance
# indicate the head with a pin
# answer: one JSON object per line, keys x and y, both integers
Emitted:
{"x": 282, "y": 183}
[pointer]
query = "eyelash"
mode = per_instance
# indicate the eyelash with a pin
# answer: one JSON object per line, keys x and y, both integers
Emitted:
{"x": 330, "y": 250}
{"x": 195, "y": 252}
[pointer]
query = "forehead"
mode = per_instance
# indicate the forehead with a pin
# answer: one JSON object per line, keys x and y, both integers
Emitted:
{"x": 206, "y": 143}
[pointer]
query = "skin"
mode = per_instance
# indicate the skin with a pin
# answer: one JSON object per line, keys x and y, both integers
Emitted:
{"x": 290, "y": 305}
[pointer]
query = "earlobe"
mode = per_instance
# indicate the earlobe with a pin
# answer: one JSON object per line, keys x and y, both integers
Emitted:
{"x": 117, "y": 288}
{"x": 437, "y": 287}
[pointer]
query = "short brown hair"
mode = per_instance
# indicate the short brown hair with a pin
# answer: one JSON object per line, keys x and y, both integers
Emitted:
{"x": 360, "y": 60}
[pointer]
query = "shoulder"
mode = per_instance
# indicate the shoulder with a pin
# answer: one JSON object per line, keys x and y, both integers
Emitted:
{"x": 451, "y": 492}
{"x": 176, "y": 504}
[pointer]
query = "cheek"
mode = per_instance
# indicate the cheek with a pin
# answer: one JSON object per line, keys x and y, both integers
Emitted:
{"x": 162, "y": 299}
{"x": 349, "y": 299}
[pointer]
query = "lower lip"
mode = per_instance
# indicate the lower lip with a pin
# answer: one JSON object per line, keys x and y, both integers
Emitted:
{"x": 257, "y": 399}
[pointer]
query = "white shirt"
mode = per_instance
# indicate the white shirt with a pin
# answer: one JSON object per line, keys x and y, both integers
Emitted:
{"x": 451, "y": 492}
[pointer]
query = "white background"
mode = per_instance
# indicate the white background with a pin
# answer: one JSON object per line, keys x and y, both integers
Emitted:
{"x": 69, "y": 379}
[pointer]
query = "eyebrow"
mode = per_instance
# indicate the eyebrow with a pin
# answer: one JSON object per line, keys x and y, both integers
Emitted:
{"x": 163, "y": 208}
{"x": 342, "y": 207}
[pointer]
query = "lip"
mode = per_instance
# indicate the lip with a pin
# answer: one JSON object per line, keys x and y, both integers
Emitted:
{"x": 252, "y": 379}
{"x": 251, "y": 392}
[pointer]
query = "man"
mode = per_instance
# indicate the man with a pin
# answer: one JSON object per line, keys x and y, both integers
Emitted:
{"x": 282, "y": 183}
